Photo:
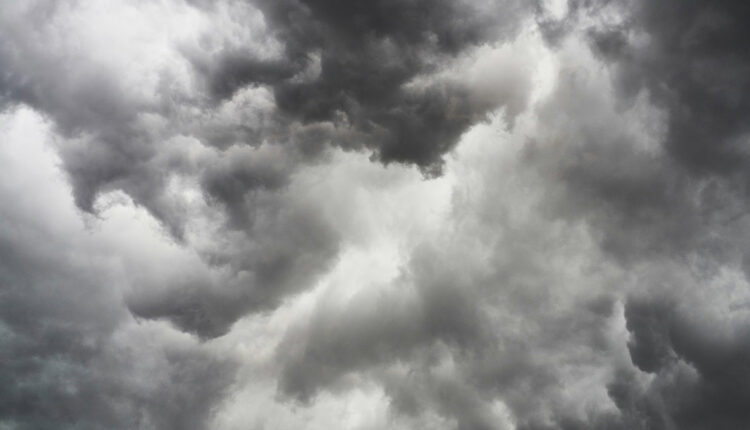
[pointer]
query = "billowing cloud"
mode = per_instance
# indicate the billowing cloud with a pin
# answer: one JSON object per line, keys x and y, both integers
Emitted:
{"x": 388, "y": 214}
{"x": 72, "y": 355}
{"x": 197, "y": 98}
{"x": 367, "y": 68}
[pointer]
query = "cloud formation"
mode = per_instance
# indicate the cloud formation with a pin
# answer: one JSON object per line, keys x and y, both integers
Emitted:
{"x": 72, "y": 356}
{"x": 367, "y": 70}
{"x": 388, "y": 214}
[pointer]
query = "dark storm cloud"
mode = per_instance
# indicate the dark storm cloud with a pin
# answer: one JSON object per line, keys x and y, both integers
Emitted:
{"x": 114, "y": 138}
{"x": 71, "y": 378}
{"x": 374, "y": 88}
{"x": 699, "y": 369}
{"x": 626, "y": 168}
{"x": 678, "y": 185}
{"x": 587, "y": 278}
{"x": 663, "y": 187}
{"x": 369, "y": 53}
{"x": 644, "y": 202}
{"x": 694, "y": 63}
{"x": 70, "y": 354}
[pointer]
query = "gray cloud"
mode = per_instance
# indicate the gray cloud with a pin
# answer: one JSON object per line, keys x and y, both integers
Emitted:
{"x": 120, "y": 128}
{"x": 117, "y": 139}
{"x": 692, "y": 63}
{"x": 367, "y": 56}
{"x": 71, "y": 355}
{"x": 580, "y": 265}
{"x": 673, "y": 201}
{"x": 697, "y": 367}
{"x": 361, "y": 97}
{"x": 660, "y": 226}
{"x": 457, "y": 333}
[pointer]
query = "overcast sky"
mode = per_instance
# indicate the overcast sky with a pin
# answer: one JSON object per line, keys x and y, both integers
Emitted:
{"x": 375, "y": 214}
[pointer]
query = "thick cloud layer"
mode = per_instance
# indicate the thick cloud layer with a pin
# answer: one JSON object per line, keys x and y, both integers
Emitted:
{"x": 209, "y": 106}
{"x": 71, "y": 355}
{"x": 367, "y": 69}
{"x": 692, "y": 60}
{"x": 364, "y": 215}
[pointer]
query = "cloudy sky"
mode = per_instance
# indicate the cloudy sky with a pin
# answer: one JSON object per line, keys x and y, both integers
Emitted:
{"x": 382, "y": 214}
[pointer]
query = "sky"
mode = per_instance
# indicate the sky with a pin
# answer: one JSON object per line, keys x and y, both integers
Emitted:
{"x": 383, "y": 214}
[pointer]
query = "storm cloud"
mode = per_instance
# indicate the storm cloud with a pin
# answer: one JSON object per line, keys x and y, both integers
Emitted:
{"x": 369, "y": 70}
{"x": 474, "y": 214}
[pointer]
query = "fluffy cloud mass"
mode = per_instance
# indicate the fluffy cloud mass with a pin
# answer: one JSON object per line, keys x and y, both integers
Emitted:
{"x": 387, "y": 214}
